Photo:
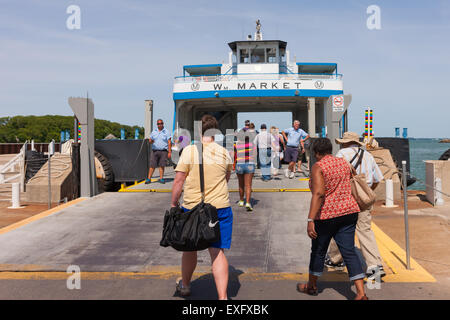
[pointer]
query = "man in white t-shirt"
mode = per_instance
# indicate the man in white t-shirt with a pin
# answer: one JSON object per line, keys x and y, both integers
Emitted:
{"x": 351, "y": 151}
{"x": 264, "y": 141}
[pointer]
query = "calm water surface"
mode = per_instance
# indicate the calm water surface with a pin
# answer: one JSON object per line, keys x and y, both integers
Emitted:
{"x": 420, "y": 150}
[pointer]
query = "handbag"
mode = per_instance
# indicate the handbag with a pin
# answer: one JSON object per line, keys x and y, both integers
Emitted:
{"x": 193, "y": 230}
{"x": 363, "y": 194}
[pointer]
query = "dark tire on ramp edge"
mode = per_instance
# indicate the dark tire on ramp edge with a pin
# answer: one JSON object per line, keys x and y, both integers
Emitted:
{"x": 106, "y": 184}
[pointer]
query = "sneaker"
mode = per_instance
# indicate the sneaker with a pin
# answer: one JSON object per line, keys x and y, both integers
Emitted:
{"x": 248, "y": 206}
{"x": 336, "y": 266}
{"x": 286, "y": 173}
{"x": 241, "y": 203}
{"x": 375, "y": 273}
{"x": 182, "y": 291}
{"x": 162, "y": 181}
{"x": 147, "y": 181}
{"x": 292, "y": 175}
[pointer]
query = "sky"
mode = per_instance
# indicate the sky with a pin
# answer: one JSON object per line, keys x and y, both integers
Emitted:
{"x": 128, "y": 51}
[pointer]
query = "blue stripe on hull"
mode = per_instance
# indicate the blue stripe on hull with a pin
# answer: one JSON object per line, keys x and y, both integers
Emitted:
{"x": 255, "y": 93}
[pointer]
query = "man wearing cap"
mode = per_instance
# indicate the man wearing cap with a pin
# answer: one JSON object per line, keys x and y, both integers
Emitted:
{"x": 246, "y": 125}
{"x": 294, "y": 137}
{"x": 264, "y": 141}
{"x": 161, "y": 142}
{"x": 350, "y": 146}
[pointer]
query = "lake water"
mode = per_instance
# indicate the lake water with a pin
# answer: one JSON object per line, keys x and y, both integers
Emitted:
{"x": 424, "y": 149}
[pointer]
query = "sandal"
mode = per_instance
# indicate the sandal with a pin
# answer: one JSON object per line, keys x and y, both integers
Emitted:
{"x": 303, "y": 288}
{"x": 182, "y": 291}
{"x": 364, "y": 297}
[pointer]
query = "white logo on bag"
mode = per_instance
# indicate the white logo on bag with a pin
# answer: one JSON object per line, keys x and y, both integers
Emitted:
{"x": 212, "y": 225}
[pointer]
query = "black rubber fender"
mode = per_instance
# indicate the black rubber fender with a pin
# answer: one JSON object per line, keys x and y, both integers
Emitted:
{"x": 106, "y": 184}
{"x": 445, "y": 155}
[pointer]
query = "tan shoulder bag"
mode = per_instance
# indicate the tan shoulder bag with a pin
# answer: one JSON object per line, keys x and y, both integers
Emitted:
{"x": 363, "y": 194}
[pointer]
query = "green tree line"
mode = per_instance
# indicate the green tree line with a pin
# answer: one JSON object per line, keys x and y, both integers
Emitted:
{"x": 46, "y": 128}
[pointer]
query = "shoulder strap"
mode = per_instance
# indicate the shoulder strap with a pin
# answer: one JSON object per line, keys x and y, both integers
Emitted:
{"x": 356, "y": 154}
{"x": 360, "y": 159}
{"x": 202, "y": 176}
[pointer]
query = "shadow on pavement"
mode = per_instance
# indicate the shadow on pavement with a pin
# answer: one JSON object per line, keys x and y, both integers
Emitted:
{"x": 204, "y": 287}
{"x": 343, "y": 288}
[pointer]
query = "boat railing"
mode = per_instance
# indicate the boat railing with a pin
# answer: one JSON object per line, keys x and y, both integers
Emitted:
{"x": 257, "y": 76}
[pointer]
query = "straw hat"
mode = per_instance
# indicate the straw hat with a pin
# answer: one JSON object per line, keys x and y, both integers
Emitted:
{"x": 349, "y": 137}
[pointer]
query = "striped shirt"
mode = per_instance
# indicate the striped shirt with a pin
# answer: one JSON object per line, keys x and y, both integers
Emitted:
{"x": 244, "y": 152}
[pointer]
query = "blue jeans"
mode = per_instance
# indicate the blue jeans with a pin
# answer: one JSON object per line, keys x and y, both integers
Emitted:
{"x": 342, "y": 229}
{"x": 265, "y": 160}
{"x": 245, "y": 168}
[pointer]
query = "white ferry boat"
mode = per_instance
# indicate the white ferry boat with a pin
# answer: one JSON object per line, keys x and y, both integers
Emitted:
{"x": 260, "y": 76}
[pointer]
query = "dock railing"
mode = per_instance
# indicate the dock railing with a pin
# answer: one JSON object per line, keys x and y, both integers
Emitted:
{"x": 11, "y": 166}
{"x": 257, "y": 76}
{"x": 14, "y": 148}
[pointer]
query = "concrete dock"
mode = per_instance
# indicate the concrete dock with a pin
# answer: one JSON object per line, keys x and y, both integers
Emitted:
{"x": 114, "y": 239}
{"x": 120, "y": 232}
{"x": 278, "y": 183}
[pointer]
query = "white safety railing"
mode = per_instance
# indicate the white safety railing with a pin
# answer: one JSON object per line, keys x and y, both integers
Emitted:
{"x": 11, "y": 165}
{"x": 256, "y": 76}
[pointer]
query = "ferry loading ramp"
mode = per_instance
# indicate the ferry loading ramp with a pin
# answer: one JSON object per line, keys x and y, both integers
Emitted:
{"x": 116, "y": 236}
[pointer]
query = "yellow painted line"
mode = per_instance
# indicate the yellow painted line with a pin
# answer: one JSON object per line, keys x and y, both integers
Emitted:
{"x": 395, "y": 258}
{"x": 39, "y": 216}
{"x": 303, "y": 179}
{"x": 144, "y": 190}
{"x": 257, "y": 190}
{"x": 128, "y": 189}
{"x": 143, "y": 181}
{"x": 274, "y": 190}
{"x": 25, "y": 268}
{"x": 230, "y": 190}
{"x": 335, "y": 276}
{"x": 295, "y": 190}
{"x": 61, "y": 275}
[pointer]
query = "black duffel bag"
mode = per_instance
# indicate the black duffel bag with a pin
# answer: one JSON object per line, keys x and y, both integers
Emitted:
{"x": 195, "y": 229}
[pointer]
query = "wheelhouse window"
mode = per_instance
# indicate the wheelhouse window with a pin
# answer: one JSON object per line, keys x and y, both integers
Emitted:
{"x": 283, "y": 56}
{"x": 260, "y": 53}
{"x": 257, "y": 56}
{"x": 271, "y": 55}
{"x": 244, "y": 56}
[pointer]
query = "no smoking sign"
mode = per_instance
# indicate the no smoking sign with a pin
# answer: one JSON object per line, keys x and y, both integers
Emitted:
{"x": 338, "y": 103}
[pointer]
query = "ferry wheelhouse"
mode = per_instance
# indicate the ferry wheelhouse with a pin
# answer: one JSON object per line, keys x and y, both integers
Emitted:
{"x": 260, "y": 76}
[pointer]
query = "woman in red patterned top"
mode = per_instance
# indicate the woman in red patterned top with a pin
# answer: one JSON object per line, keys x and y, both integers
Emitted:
{"x": 333, "y": 214}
